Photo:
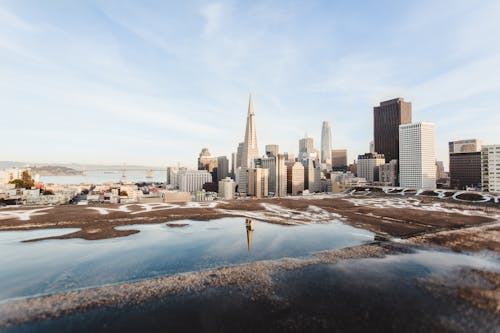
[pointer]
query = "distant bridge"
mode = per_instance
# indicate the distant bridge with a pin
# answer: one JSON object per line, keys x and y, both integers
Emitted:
{"x": 148, "y": 172}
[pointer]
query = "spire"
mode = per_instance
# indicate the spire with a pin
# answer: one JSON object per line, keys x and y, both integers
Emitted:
{"x": 250, "y": 106}
{"x": 250, "y": 150}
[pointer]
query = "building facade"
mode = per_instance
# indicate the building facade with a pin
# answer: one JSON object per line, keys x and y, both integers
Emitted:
{"x": 490, "y": 168}
{"x": 386, "y": 120}
{"x": 258, "y": 182}
{"x": 227, "y": 188}
{"x": 222, "y": 167}
{"x": 339, "y": 158}
{"x": 272, "y": 150}
{"x": 388, "y": 173}
{"x": 417, "y": 157}
{"x": 464, "y": 146}
{"x": 367, "y": 166}
{"x": 193, "y": 180}
{"x": 326, "y": 143}
{"x": 295, "y": 178}
{"x": 465, "y": 170}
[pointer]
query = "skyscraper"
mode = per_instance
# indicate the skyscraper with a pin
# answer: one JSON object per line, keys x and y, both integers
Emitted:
{"x": 417, "y": 157}
{"x": 386, "y": 120}
{"x": 306, "y": 146}
{"x": 295, "y": 178}
{"x": 208, "y": 162}
{"x": 272, "y": 150}
{"x": 222, "y": 167}
{"x": 339, "y": 159}
{"x": 326, "y": 143}
{"x": 239, "y": 155}
{"x": 249, "y": 150}
{"x": 258, "y": 182}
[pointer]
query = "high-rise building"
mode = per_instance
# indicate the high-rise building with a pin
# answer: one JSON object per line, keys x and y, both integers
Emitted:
{"x": 372, "y": 147}
{"x": 281, "y": 176}
{"x": 465, "y": 164}
{"x": 258, "y": 182}
{"x": 222, "y": 167}
{"x": 295, "y": 178}
{"x": 289, "y": 157}
{"x": 272, "y": 150}
{"x": 312, "y": 175}
{"x": 339, "y": 158}
{"x": 490, "y": 168}
{"x": 226, "y": 188}
{"x": 386, "y": 120}
{"x": 306, "y": 147}
{"x": 249, "y": 150}
{"x": 417, "y": 157}
{"x": 368, "y": 166}
{"x": 206, "y": 161}
{"x": 277, "y": 173}
{"x": 326, "y": 143}
{"x": 239, "y": 155}
{"x": 233, "y": 165}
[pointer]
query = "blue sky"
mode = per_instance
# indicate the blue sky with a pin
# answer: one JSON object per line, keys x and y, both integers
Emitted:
{"x": 152, "y": 82}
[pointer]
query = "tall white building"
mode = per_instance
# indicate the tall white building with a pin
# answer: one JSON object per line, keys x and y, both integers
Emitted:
{"x": 326, "y": 143}
{"x": 193, "y": 180}
{"x": 417, "y": 157}
{"x": 490, "y": 168}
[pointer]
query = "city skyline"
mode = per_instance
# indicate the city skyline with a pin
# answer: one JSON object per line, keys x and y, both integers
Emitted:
{"x": 108, "y": 86}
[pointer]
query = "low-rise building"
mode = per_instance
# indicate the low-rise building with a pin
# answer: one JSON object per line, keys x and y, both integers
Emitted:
{"x": 227, "y": 188}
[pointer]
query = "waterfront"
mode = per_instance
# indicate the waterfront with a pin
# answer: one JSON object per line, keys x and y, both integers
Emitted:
{"x": 91, "y": 177}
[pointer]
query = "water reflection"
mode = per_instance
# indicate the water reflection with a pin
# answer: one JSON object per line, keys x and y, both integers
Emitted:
{"x": 250, "y": 228}
{"x": 59, "y": 265}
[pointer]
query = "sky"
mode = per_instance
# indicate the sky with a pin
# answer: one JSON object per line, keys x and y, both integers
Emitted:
{"x": 153, "y": 82}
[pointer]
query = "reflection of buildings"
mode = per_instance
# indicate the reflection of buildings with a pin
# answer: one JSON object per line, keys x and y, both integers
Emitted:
{"x": 250, "y": 229}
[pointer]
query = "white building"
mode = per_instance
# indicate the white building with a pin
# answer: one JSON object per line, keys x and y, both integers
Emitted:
{"x": 227, "y": 188}
{"x": 193, "y": 180}
{"x": 490, "y": 168}
{"x": 326, "y": 143}
{"x": 417, "y": 157}
{"x": 367, "y": 166}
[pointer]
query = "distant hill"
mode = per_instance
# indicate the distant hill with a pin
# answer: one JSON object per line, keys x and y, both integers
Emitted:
{"x": 53, "y": 170}
{"x": 74, "y": 166}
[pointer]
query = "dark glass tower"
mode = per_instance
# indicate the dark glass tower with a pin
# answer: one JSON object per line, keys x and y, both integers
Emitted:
{"x": 386, "y": 120}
